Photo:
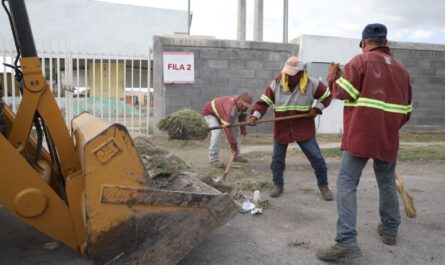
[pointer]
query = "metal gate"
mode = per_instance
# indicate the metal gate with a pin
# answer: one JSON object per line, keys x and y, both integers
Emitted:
{"x": 113, "y": 87}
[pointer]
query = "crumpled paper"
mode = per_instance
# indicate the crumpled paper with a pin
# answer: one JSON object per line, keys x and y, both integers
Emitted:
{"x": 247, "y": 207}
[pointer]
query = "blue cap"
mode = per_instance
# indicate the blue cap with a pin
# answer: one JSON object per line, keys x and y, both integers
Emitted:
{"x": 375, "y": 30}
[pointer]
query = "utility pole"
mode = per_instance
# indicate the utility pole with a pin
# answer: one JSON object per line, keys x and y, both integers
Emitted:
{"x": 285, "y": 20}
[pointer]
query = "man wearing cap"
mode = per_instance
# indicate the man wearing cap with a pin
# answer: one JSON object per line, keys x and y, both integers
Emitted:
{"x": 377, "y": 93}
{"x": 293, "y": 92}
{"x": 224, "y": 111}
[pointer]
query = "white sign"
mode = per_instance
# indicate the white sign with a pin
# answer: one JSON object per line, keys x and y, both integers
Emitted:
{"x": 179, "y": 68}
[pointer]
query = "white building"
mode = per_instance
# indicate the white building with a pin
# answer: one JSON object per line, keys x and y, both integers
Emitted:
{"x": 89, "y": 26}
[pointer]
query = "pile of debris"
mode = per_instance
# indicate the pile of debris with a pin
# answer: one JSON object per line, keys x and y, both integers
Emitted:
{"x": 161, "y": 167}
{"x": 185, "y": 124}
{"x": 169, "y": 172}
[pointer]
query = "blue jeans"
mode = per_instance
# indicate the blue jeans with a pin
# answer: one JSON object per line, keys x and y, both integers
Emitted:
{"x": 312, "y": 151}
{"x": 348, "y": 178}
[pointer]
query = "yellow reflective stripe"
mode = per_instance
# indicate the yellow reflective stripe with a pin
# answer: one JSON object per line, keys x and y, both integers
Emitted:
{"x": 348, "y": 87}
{"x": 294, "y": 107}
{"x": 325, "y": 95}
{"x": 267, "y": 100}
{"x": 379, "y": 104}
{"x": 217, "y": 114}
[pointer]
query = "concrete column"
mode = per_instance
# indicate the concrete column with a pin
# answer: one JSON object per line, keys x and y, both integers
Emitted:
{"x": 241, "y": 19}
{"x": 189, "y": 22}
{"x": 258, "y": 20}
{"x": 285, "y": 21}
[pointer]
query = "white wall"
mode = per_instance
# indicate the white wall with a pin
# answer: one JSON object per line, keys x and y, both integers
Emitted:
{"x": 97, "y": 26}
{"x": 324, "y": 49}
{"x": 327, "y": 49}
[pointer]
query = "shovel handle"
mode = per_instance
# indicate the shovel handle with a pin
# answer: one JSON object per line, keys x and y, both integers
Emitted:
{"x": 226, "y": 171}
{"x": 236, "y": 124}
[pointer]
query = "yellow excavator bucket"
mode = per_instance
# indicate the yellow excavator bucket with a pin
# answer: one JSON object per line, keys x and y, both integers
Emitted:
{"x": 89, "y": 189}
{"x": 125, "y": 219}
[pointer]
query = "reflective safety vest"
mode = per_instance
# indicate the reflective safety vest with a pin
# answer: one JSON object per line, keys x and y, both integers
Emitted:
{"x": 369, "y": 102}
{"x": 294, "y": 101}
{"x": 217, "y": 114}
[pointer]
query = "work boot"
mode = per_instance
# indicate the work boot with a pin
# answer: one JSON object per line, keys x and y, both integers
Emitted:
{"x": 240, "y": 159}
{"x": 276, "y": 191}
{"x": 387, "y": 238}
{"x": 338, "y": 251}
{"x": 217, "y": 164}
{"x": 326, "y": 193}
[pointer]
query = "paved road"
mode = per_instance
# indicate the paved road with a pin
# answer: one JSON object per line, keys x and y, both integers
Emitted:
{"x": 291, "y": 230}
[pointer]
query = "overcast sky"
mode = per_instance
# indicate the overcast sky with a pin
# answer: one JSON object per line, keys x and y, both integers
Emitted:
{"x": 407, "y": 20}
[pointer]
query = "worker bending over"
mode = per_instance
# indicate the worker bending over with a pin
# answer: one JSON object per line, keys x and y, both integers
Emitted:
{"x": 224, "y": 111}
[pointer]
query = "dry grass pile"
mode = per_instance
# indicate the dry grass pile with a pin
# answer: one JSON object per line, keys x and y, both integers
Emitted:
{"x": 162, "y": 168}
{"x": 185, "y": 124}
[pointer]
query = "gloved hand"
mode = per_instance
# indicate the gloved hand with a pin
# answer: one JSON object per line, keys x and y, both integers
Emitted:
{"x": 252, "y": 120}
{"x": 335, "y": 68}
{"x": 314, "y": 112}
{"x": 243, "y": 131}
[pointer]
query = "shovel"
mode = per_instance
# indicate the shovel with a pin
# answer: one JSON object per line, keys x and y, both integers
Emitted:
{"x": 226, "y": 171}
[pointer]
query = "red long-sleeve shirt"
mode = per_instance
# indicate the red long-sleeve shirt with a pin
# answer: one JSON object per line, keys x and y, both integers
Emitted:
{"x": 377, "y": 93}
{"x": 226, "y": 111}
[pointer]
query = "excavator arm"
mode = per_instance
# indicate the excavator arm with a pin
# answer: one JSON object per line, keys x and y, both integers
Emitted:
{"x": 89, "y": 190}
{"x": 63, "y": 167}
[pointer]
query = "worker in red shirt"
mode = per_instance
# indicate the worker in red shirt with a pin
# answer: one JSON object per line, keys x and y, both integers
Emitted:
{"x": 224, "y": 111}
{"x": 377, "y": 94}
{"x": 293, "y": 92}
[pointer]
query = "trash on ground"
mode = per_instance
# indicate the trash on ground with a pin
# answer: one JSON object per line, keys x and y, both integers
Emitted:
{"x": 247, "y": 206}
{"x": 264, "y": 204}
{"x": 300, "y": 244}
{"x": 256, "y": 210}
{"x": 256, "y": 196}
{"x": 51, "y": 245}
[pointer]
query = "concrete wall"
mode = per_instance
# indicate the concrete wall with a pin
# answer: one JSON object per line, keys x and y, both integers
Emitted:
{"x": 426, "y": 65}
{"x": 230, "y": 67}
{"x": 222, "y": 68}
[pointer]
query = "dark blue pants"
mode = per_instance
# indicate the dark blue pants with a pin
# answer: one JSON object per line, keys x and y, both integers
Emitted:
{"x": 312, "y": 151}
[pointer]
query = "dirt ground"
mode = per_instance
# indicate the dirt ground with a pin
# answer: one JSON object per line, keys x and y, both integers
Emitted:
{"x": 295, "y": 224}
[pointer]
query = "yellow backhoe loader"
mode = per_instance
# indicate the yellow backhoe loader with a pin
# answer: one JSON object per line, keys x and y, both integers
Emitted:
{"x": 87, "y": 188}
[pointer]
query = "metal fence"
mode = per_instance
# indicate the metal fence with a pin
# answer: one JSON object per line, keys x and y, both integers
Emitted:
{"x": 113, "y": 87}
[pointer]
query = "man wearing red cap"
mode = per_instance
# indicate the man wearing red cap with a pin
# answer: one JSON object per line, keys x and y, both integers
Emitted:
{"x": 290, "y": 93}
{"x": 377, "y": 93}
{"x": 224, "y": 111}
